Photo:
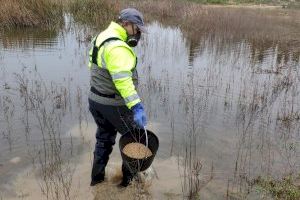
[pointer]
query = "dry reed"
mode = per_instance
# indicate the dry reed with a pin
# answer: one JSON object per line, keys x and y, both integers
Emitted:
{"x": 43, "y": 107}
{"x": 261, "y": 27}
{"x": 30, "y": 13}
{"x": 93, "y": 12}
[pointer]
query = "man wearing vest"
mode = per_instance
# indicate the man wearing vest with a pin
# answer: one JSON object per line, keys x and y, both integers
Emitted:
{"x": 113, "y": 99}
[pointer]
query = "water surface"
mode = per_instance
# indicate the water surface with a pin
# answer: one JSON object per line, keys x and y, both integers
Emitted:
{"x": 231, "y": 107}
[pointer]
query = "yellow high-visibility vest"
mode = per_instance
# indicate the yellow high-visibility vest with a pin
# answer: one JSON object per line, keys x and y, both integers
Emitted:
{"x": 113, "y": 66}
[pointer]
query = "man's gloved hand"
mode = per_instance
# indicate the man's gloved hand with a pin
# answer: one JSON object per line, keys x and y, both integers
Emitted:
{"x": 139, "y": 115}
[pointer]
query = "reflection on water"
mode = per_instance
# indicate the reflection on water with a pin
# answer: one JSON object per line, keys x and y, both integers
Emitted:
{"x": 232, "y": 107}
{"x": 28, "y": 39}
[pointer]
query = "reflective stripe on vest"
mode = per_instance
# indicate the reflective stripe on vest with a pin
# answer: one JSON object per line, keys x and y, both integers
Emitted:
{"x": 131, "y": 98}
{"x": 121, "y": 75}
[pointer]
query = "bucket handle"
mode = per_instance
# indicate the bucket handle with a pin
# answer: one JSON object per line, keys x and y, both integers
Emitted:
{"x": 146, "y": 136}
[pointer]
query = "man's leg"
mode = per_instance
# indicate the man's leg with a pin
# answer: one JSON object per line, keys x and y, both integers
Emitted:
{"x": 122, "y": 120}
{"x": 105, "y": 135}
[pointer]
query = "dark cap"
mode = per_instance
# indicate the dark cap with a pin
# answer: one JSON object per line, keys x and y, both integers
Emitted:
{"x": 134, "y": 16}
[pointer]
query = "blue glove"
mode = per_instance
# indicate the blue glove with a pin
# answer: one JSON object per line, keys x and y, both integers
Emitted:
{"x": 139, "y": 115}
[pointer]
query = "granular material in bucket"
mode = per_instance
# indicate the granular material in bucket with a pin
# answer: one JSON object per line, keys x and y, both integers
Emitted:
{"x": 137, "y": 150}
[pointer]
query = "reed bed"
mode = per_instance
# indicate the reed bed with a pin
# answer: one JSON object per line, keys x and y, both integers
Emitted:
{"x": 93, "y": 12}
{"x": 40, "y": 110}
{"x": 30, "y": 13}
{"x": 261, "y": 27}
{"x": 267, "y": 27}
{"x": 195, "y": 19}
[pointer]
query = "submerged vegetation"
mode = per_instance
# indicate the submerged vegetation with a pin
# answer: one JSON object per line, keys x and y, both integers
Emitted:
{"x": 42, "y": 108}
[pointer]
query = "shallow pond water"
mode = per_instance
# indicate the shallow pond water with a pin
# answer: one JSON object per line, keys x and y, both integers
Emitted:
{"x": 226, "y": 105}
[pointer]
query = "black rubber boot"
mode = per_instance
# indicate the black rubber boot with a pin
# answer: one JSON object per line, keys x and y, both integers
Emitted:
{"x": 95, "y": 182}
{"x": 125, "y": 182}
{"x": 128, "y": 175}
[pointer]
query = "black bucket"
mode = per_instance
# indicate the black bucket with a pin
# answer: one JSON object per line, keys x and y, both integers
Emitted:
{"x": 139, "y": 135}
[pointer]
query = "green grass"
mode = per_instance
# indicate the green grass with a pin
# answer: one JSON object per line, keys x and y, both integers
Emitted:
{"x": 279, "y": 189}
